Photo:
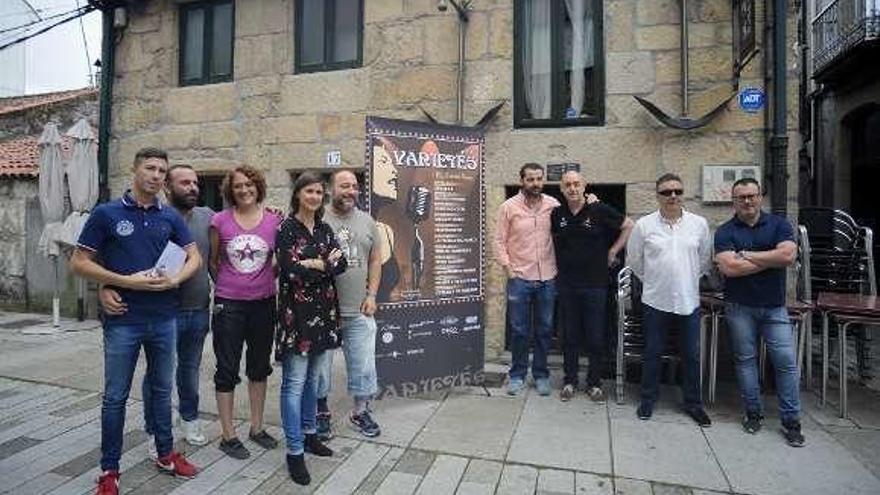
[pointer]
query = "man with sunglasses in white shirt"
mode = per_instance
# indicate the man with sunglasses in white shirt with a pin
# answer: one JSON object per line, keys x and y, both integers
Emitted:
{"x": 669, "y": 251}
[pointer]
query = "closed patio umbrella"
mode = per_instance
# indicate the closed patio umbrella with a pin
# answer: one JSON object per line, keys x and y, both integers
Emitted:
{"x": 51, "y": 204}
{"x": 82, "y": 179}
{"x": 82, "y": 169}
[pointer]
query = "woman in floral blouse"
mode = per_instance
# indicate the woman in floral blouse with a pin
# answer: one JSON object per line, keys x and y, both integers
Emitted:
{"x": 308, "y": 259}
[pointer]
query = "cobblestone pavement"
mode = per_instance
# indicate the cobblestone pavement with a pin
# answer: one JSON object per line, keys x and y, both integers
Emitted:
{"x": 462, "y": 442}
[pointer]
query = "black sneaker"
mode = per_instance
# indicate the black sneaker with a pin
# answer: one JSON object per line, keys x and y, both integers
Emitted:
{"x": 296, "y": 467}
{"x": 313, "y": 445}
{"x": 596, "y": 394}
{"x": 322, "y": 421}
{"x": 264, "y": 440}
{"x": 699, "y": 416}
{"x": 752, "y": 422}
{"x": 645, "y": 410}
{"x": 234, "y": 448}
{"x": 792, "y": 432}
{"x": 364, "y": 424}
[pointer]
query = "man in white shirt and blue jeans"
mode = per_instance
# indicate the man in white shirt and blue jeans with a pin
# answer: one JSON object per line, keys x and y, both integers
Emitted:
{"x": 669, "y": 251}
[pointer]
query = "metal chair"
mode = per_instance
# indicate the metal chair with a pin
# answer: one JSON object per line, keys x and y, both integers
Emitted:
{"x": 628, "y": 324}
{"x": 843, "y": 323}
{"x": 804, "y": 307}
{"x": 841, "y": 252}
{"x": 713, "y": 309}
{"x": 842, "y": 260}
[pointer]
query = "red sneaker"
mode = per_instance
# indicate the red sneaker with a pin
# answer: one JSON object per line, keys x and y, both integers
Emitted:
{"x": 176, "y": 465}
{"x": 108, "y": 483}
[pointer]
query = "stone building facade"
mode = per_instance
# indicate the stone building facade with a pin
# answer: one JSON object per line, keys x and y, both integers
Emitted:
{"x": 281, "y": 120}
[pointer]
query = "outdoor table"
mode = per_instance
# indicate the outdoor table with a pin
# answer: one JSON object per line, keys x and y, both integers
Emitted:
{"x": 801, "y": 314}
{"x": 847, "y": 309}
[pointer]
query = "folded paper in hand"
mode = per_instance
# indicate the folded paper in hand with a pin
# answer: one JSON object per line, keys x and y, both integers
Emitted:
{"x": 171, "y": 260}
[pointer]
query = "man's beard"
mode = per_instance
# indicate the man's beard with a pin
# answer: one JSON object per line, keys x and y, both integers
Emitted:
{"x": 342, "y": 204}
{"x": 533, "y": 191}
{"x": 184, "y": 202}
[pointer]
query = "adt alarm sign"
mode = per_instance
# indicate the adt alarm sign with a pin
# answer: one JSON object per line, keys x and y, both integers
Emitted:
{"x": 752, "y": 100}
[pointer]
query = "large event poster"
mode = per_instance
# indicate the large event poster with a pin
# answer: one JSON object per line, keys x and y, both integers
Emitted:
{"x": 427, "y": 196}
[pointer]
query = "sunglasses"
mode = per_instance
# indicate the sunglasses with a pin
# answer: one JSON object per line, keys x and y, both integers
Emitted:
{"x": 668, "y": 192}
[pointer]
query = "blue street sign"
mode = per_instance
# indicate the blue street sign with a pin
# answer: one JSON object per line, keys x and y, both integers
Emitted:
{"x": 752, "y": 100}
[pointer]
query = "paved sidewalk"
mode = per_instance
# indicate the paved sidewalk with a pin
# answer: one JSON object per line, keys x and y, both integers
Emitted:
{"x": 463, "y": 442}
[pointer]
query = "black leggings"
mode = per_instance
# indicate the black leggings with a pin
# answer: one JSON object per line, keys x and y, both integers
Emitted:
{"x": 237, "y": 322}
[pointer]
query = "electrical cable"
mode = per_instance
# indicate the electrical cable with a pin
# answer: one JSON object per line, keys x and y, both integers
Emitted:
{"x": 44, "y": 19}
{"x": 85, "y": 10}
{"x": 82, "y": 29}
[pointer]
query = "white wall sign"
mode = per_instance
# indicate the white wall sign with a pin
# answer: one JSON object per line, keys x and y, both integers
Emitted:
{"x": 334, "y": 158}
{"x": 719, "y": 179}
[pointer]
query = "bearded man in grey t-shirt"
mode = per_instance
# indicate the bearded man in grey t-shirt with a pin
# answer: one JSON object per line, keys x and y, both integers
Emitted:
{"x": 358, "y": 238}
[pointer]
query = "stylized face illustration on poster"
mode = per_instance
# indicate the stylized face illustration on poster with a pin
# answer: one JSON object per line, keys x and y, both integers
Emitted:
{"x": 426, "y": 194}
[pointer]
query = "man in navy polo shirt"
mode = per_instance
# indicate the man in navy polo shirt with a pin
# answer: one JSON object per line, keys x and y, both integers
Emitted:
{"x": 752, "y": 250}
{"x": 119, "y": 247}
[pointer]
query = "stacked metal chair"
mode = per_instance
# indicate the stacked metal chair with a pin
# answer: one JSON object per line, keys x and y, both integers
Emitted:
{"x": 629, "y": 328}
{"x": 841, "y": 260}
{"x": 630, "y": 337}
{"x": 841, "y": 252}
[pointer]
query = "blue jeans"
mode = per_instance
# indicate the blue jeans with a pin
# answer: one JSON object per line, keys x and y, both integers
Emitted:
{"x": 746, "y": 323}
{"x": 359, "y": 347}
{"x": 584, "y": 318}
{"x": 299, "y": 404}
{"x": 656, "y": 324}
{"x": 523, "y": 296}
{"x": 122, "y": 345}
{"x": 192, "y": 327}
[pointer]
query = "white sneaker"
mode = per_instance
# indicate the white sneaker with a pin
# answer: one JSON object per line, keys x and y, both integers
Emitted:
{"x": 154, "y": 455}
{"x": 193, "y": 432}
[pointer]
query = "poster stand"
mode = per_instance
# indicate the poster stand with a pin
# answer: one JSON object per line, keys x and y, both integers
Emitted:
{"x": 485, "y": 390}
{"x": 426, "y": 189}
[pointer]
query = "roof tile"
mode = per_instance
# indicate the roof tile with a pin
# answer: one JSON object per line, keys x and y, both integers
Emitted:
{"x": 20, "y": 103}
{"x": 20, "y": 157}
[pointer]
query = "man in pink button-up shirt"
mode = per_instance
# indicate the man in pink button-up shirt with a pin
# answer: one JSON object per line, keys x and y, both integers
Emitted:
{"x": 524, "y": 248}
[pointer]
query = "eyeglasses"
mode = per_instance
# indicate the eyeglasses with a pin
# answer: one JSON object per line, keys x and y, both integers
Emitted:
{"x": 746, "y": 197}
{"x": 668, "y": 192}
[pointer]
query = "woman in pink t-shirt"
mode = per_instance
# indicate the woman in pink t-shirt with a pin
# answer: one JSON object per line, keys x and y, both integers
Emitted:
{"x": 242, "y": 243}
